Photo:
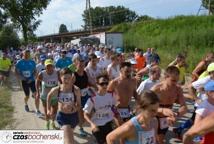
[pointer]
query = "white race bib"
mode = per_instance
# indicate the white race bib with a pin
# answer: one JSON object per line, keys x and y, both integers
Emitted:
{"x": 124, "y": 112}
{"x": 102, "y": 115}
{"x": 51, "y": 83}
{"x": 163, "y": 123}
{"x": 26, "y": 74}
{"x": 147, "y": 137}
{"x": 84, "y": 92}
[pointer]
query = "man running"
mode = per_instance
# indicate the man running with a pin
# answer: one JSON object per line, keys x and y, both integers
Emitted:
{"x": 169, "y": 93}
{"x": 5, "y": 66}
{"x": 48, "y": 79}
{"x": 25, "y": 70}
{"x": 81, "y": 81}
{"x": 124, "y": 87}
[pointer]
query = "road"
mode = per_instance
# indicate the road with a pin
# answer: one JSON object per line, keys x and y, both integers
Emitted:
{"x": 28, "y": 120}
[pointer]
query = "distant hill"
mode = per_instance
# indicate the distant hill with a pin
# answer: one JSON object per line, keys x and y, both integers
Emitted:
{"x": 193, "y": 35}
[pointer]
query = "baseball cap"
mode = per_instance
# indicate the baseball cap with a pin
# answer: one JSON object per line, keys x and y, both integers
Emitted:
{"x": 48, "y": 62}
{"x": 209, "y": 86}
{"x": 42, "y": 57}
{"x": 210, "y": 67}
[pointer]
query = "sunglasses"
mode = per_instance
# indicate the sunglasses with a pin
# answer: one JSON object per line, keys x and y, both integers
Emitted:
{"x": 103, "y": 83}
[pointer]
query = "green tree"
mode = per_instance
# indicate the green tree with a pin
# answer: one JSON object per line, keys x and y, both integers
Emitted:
{"x": 23, "y": 13}
{"x": 3, "y": 18}
{"x": 8, "y": 37}
{"x": 63, "y": 28}
{"x": 105, "y": 16}
{"x": 209, "y": 4}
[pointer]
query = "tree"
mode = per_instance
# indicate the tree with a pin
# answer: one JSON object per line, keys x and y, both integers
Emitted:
{"x": 23, "y": 13}
{"x": 8, "y": 37}
{"x": 105, "y": 16}
{"x": 63, "y": 28}
{"x": 3, "y": 18}
{"x": 208, "y": 4}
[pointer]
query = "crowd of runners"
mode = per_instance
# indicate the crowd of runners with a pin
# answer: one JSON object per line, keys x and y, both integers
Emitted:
{"x": 125, "y": 97}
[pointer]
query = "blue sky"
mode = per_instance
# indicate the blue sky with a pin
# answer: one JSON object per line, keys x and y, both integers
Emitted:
{"x": 69, "y": 12}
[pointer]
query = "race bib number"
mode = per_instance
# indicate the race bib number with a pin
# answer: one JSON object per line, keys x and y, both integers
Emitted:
{"x": 147, "y": 137}
{"x": 163, "y": 123}
{"x": 124, "y": 113}
{"x": 102, "y": 115}
{"x": 51, "y": 83}
{"x": 84, "y": 92}
{"x": 26, "y": 74}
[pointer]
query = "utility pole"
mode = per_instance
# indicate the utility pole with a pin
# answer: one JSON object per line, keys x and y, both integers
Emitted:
{"x": 88, "y": 8}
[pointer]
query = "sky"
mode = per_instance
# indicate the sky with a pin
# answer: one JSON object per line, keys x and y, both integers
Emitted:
{"x": 69, "y": 12}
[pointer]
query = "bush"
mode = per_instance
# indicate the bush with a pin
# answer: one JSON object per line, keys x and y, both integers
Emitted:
{"x": 191, "y": 34}
{"x": 8, "y": 38}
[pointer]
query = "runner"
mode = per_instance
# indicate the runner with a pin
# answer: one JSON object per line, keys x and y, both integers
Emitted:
{"x": 68, "y": 104}
{"x": 25, "y": 70}
{"x": 93, "y": 70}
{"x": 48, "y": 79}
{"x": 180, "y": 63}
{"x": 40, "y": 66}
{"x": 105, "y": 60}
{"x": 5, "y": 66}
{"x": 205, "y": 108}
{"x": 202, "y": 66}
{"x": 98, "y": 110}
{"x": 124, "y": 87}
{"x": 154, "y": 75}
{"x": 113, "y": 69}
{"x": 141, "y": 129}
{"x": 140, "y": 59}
{"x": 204, "y": 124}
{"x": 169, "y": 93}
{"x": 81, "y": 80}
{"x": 63, "y": 61}
{"x": 143, "y": 73}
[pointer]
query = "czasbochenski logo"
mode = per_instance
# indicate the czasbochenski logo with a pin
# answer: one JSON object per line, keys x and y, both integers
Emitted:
{"x": 6, "y": 137}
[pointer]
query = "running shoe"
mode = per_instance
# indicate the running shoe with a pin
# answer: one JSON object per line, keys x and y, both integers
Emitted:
{"x": 27, "y": 108}
{"x": 83, "y": 133}
{"x": 39, "y": 114}
{"x": 48, "y": 125}
{"x": 54, "y": 126}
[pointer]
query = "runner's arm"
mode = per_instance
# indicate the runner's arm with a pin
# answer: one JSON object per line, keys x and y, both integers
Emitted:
{"x": 183, "y": 108}
{"x": 38, "y": 83}
{"x": 87, "y": 113}
{"x": 78, "y": 94}
{"x": 121, "y": 132}
{"x": 203, "y": 127}
{"x": 52, "y": 92}
{"x": 198, "y": 68}
{"x": 111, "y": 86}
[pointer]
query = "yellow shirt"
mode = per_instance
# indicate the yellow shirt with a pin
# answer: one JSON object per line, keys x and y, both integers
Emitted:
{"x": 182, "y": 71}
{"x": 5, "y": 64}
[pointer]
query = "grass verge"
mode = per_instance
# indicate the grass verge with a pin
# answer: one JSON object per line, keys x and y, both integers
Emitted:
{"x": 6, "y": 108}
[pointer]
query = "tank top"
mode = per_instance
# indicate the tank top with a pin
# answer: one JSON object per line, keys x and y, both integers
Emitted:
{"x": 50, "y": 81}
{"x": 81, "y": 81}
{"x": 143, "y": 137}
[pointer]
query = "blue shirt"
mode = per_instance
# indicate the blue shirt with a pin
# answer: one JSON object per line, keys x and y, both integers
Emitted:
{"x": 63, "y": 62}
{"x": 143, "y": 137}
{"x": 26, "y": 69}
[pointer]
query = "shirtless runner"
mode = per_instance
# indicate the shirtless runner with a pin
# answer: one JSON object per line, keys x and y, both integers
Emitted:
{"x": 169, "y": 93}
{"x": 124, "y": 87}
